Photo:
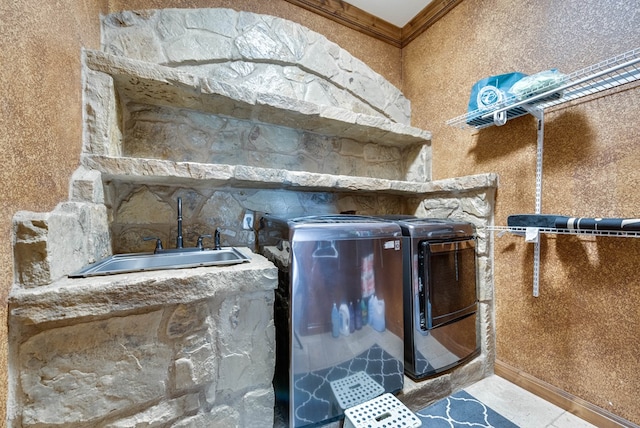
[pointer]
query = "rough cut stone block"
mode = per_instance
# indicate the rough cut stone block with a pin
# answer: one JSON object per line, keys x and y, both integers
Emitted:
{"x": 477, "y": 207}
{"x": 129, "y": 40}
{"x": 246, "y": 342}
{"x": 101, "y": 131}
{"x": 221, "y": 416}
{"x": 485, "y": 279}
{"x": 487, "y": 333}
{"x": 160, "y": 414}
{"x": 86, "y": 186}
{"x": 143, "y": 207}
{"x": 84, "y": 372}
{"x": 51, "y": 245}
{"x": 417, "y": 396}
{"x": 469, "y": 373}
{"x": 198, "y": 367}
{"x": 186, "y": 319}
{"x": 258, "y": 408}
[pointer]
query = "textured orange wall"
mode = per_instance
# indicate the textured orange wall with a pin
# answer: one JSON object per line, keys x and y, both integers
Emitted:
{"x": 40, "y": 117}
{"x": 582, "y": 333}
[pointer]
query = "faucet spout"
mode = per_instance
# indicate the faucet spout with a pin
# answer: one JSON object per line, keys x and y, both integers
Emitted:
{"x": 179, "y": 237}
{"x": 216, "y": 239}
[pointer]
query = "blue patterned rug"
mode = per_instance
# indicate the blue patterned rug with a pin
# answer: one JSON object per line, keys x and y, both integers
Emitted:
{"x": 313, "y": 395}
{"x": 462, "y": 410}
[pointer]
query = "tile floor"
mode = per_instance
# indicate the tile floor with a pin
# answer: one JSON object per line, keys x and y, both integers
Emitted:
{"x": 516, "y": 404}
{"x": 522, "y": 407}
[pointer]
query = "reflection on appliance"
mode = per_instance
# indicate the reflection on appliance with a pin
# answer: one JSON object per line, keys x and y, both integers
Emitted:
{"x": 338, "y": 313}
{"x": 440, "y": 295}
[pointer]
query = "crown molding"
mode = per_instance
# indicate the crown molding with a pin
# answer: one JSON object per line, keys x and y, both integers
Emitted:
{"x": 425, "y": 19}
{"x": 359, "y": 20}
{"x": 354, "y": 18}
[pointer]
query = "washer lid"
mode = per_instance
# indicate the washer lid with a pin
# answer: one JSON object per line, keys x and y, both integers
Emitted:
{"x": 329, "y": 227}
{"x": 436, "y": 228}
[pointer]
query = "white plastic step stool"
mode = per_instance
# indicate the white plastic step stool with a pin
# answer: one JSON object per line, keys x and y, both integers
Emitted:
{"x": 385, "y": 411}
{"x": 355, "y": 389}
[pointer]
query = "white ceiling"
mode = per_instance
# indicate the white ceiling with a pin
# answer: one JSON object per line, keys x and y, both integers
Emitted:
{"x": 396, "y": 12}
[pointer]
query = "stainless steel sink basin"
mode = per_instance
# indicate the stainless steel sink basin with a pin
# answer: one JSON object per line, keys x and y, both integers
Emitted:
{"x": 138, "y": 262}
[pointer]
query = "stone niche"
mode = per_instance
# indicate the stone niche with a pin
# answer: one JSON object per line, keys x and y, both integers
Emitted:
{"x": 230, "y": 111}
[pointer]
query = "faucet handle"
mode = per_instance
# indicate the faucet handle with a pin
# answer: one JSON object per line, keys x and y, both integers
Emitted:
{"x": 199, "y": 244}
{"x": 158, "y": 242}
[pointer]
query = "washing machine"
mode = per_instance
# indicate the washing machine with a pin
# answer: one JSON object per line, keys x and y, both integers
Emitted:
{"x": 338, "y": 313}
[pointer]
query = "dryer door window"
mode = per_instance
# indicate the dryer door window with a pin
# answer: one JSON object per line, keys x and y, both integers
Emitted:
{"x": 448, "y": 271}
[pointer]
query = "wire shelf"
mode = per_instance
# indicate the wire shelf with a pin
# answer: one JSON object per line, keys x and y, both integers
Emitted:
{"x": 616, "y": 71}
{"x": 551, "y": 230}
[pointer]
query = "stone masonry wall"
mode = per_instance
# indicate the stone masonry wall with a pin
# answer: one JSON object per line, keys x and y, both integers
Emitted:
{"x": 185, "y": 135}
{"x": 168, "y": 349}
{"x": 139, "y": 210}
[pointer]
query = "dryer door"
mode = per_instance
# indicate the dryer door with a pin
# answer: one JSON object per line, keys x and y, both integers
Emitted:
{"x": 448, "y": 272}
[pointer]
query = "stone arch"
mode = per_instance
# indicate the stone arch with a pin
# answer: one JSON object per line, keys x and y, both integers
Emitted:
{"x": 256, "y": 51}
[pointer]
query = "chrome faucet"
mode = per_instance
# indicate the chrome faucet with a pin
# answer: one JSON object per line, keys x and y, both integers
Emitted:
{"x": 179, "y": 240}
{"x": 216, "y": 239}
{"x": 179, "y": 237}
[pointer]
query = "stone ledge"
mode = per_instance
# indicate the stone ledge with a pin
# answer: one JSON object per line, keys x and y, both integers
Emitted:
{"x": 153, "y": 171}
{"x": 238, "y": 45}
{"x": 154, "y": 84}
{"x": 97, "y": 296}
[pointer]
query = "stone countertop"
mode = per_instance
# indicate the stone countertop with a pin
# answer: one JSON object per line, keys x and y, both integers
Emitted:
{"x": 72, "y": 298}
